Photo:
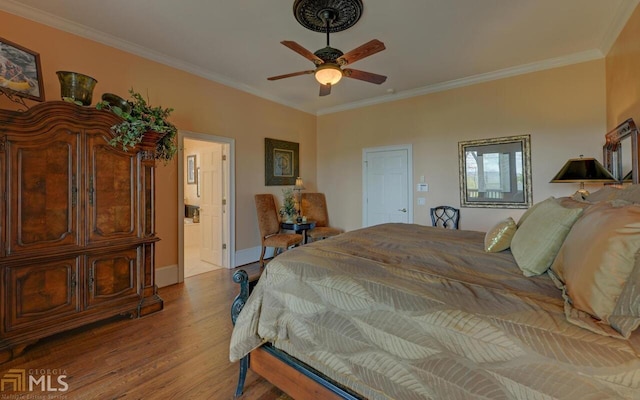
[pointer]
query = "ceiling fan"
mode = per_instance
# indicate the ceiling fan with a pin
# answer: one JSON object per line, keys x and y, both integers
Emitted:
{"x": 329, "y": 60}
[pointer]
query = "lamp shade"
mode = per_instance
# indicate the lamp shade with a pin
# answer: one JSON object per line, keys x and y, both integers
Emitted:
{"x": 299, "y": 185}
{"x": 583, "y": 170}
{"x": 328, "y": 74}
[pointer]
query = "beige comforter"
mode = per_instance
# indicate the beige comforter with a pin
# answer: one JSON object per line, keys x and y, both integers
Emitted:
{"x": 401, "y": 311}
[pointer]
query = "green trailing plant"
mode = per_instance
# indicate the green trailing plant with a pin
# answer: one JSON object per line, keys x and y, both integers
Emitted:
{"x": 141, "y": 119}
{"x": 289, "y": 204}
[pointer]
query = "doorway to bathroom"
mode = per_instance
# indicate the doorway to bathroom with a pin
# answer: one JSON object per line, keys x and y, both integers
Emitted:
{"x": 205, "y": 193}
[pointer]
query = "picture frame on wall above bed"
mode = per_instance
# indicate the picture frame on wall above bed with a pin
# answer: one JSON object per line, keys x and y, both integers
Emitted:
{"x": 20, "y": 72}
{"x": 496, "y": 173}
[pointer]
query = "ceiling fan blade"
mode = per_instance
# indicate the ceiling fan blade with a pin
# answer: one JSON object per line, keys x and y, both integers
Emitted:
{"x": 302, "y": 51}
{"x": 325, "y": 90}
{"x": 364, "y": 76}
{"x": 275, "y": 78}
{"x": 361, "y": 52}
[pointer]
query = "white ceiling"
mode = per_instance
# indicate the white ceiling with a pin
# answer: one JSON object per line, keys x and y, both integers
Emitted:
{"x": 431, "y": 44}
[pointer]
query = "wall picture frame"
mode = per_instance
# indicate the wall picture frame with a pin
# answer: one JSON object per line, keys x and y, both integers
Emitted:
{"x": 21, "y": 73}
{"x": 496, "y": 173}
{"x": 281, "y": 162}
{"x": 199, "y": 182}
{"x": 191, "y": 170}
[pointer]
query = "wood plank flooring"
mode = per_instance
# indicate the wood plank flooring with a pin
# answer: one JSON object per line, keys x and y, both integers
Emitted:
{"x": 181, "y": 352}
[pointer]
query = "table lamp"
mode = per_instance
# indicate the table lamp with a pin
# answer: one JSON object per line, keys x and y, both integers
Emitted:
{"x": 581, "y": 170}
{"x": 299, "y": 187}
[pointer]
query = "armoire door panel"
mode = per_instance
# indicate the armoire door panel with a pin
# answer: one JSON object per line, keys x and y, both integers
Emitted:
{"x": 148, "y": 202}
{"x": 113, "y": 277}
{"x": 112, "y": 191}
{"x": 43, "y": 193}
{"x": 40, "y": 292}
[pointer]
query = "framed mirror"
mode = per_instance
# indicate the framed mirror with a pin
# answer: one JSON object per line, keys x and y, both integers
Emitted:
{"x": 495, "y": 173}
{"x": 620, "y": 152}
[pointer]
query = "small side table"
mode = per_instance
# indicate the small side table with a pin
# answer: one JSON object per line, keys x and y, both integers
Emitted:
{"x": 298, "y": 227}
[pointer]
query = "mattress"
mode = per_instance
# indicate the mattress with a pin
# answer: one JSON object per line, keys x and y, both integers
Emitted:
{"x": 403, "y": 311}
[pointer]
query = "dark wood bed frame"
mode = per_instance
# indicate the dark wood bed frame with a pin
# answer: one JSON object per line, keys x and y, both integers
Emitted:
{"x": 290, "y": 375}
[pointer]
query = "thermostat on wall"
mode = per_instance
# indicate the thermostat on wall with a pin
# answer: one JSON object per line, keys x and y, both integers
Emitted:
{"x": 422, "y": 187}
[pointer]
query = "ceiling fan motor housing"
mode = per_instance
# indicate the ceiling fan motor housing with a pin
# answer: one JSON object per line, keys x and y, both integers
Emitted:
{"x": 329, "y": 54}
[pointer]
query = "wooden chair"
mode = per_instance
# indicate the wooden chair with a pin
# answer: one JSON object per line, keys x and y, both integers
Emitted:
{"x": 445, "y": 217}
{"x": 314, "y": 207}
{"x": 269, "y": 224}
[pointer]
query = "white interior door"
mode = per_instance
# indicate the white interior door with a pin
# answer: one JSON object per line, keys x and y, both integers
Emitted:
{"x": 211, "y": 204}
{"x": 387, "y": 188}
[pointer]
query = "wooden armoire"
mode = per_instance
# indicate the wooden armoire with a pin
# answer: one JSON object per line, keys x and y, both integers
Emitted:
{"x": 76, "y": 224}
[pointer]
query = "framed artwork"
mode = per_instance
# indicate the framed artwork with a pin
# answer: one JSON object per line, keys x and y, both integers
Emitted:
{"x": 20, "y": 71}
{"x": 281, "y": 162}
{"x": 495, "y": 173}
{"x": 191, "y": 170}
{"x": 198, "y": 179}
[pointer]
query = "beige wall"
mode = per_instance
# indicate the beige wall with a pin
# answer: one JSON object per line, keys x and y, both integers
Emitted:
{"x": 200, "y": 106}
{"x": 623, "y": 74}
{"x": 562, "y": 109}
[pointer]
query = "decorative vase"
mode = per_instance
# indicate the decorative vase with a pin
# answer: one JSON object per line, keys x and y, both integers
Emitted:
{"x": 76, "y": 87}
{"x": 116, "y": 101}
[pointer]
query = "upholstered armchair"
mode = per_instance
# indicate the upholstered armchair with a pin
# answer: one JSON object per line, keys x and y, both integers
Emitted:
{"x": 314, "y": 207}
{"x": 269, "y": 224}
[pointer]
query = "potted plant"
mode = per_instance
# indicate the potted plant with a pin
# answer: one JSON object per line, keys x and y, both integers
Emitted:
{"x": 140, "y": 119}
{"x": 288, "y": 209}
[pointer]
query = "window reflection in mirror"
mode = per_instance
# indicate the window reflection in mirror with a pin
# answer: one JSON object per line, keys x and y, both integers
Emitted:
{"x": 620, "y": 154}
{"x": 495, "y": 172}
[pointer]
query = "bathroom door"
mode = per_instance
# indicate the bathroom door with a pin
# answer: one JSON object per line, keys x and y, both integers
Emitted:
{"x": 211, "y": 204}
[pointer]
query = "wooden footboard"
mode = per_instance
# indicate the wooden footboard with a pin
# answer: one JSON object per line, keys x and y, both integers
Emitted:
{"x": 290, "y": 375}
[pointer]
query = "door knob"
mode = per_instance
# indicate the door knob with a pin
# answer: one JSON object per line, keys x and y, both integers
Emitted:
{"x": 403, "y": 210}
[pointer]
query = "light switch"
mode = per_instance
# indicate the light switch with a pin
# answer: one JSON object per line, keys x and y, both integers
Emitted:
{"x": 422, "y": 201}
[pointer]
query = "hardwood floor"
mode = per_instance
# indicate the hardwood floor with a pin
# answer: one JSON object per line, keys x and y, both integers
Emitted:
{"x": 181, "y": 352}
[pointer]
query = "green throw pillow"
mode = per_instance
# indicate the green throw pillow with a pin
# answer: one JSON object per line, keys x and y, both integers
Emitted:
{"x": 539, "y": 238}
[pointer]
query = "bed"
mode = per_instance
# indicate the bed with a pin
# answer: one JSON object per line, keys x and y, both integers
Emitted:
{"x": 403, "y": 311}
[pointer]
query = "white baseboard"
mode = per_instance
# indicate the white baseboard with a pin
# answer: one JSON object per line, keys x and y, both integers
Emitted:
{"x": 251, "y": 255}
{"x": 167, "y": 275}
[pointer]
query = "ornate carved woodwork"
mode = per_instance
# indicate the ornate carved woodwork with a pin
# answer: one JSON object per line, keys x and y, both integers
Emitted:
{"x": 76, "y": 224}
{"x": 313, "y": 14}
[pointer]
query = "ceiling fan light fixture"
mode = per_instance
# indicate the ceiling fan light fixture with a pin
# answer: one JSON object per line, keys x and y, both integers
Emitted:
{"x": 328, "y": 74}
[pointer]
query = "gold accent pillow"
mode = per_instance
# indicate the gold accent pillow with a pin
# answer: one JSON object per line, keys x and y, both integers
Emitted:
{"x": 597, "y": 264}
{"x": 498, "y": 238}
{"x": 538, "y": 239}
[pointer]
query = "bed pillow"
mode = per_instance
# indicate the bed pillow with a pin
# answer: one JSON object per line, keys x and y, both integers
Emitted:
{"x": 538, "y": 239}
{"x": 597, "y": 264}
{"x": 604, "y": 194}
{"x": 498, "y": 238}
{"x": 630, "y": 193}
{"x": 526, "y": 214}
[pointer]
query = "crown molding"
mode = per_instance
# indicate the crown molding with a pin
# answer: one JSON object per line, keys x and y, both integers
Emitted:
{"x": 471, "y": 80}
{"x": 33, "y": 14}
{"x": 623, "y": 13}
